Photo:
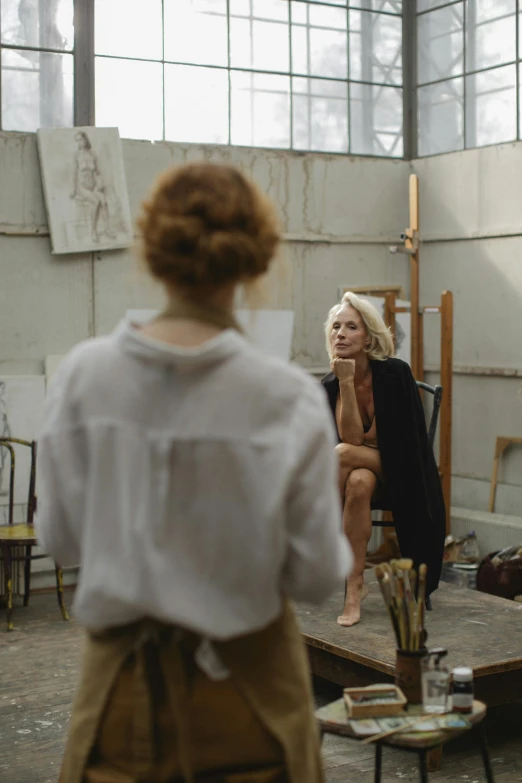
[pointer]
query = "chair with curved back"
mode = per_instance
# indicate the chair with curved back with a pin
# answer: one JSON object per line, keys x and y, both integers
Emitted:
{"x": 16, "y": 536}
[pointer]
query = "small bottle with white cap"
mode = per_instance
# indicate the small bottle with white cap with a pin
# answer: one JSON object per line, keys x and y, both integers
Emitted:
{"x": 463, "y": 689}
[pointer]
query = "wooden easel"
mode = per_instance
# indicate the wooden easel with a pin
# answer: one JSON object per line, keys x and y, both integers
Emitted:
{"x": 501, "y": 444}
{"x": 411, "y": 241}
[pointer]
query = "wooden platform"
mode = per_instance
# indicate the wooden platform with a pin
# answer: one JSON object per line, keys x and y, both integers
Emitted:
{"x": 478, "y": 630}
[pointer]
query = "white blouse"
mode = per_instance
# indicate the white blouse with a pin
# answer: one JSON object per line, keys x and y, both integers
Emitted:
{"x": 194, "y": 486}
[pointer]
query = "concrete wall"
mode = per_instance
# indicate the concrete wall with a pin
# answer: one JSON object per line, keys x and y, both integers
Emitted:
{"x": 471, "y": 227}
{"x": 339, "y": 213}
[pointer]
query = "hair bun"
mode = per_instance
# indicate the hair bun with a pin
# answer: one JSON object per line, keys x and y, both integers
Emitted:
{"x": 207, "y": 225}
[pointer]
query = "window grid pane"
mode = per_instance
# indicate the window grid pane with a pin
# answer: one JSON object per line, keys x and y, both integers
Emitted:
{"x": 270, "y": 73}
{"x": 274, "y": 73}
{"x": 478, "y": 105}
{"x": 37, "y": 64}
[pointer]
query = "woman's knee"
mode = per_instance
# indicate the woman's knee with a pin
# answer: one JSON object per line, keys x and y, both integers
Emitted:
{"x": 345, "y": 453}
{"x": 360, "y": 486}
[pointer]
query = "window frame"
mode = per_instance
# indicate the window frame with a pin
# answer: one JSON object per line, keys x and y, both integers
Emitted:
{"x": 84, "y": 57}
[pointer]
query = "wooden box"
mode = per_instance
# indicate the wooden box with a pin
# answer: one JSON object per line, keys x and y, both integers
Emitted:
{"x": 376, "y": 701}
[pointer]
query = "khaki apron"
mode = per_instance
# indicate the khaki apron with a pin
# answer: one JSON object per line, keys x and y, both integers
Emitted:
{"x": 268, "y": 670}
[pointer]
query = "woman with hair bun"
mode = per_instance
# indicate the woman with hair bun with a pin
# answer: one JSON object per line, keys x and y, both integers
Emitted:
{"x": 195, "y": 481}
{"x": 384, "y": 452}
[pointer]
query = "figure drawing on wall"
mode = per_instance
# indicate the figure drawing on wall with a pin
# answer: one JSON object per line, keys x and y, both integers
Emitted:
{"x": 90, "y": 188}
{"x": 85, "y": 189}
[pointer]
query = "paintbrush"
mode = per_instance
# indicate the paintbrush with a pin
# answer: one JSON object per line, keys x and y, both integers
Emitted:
{"x": 396, "y": 604}
{"x": 413, "y": 582}
{"x": 393, "y": 565}
{"x": 421, "y": 597}
{"x": 411, "y": 608}
{"x": 389, "y": 733}
{"x": 403, "y": 618}
{"x": 384, "y": 583}
{"x": 393, "y": 608}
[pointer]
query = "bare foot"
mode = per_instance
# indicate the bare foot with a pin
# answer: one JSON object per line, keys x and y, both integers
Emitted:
{"x": 355, "y": 594}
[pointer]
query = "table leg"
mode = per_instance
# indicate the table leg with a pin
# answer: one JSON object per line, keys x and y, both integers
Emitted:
{"x": 423, "y": 767}
{"x": 378, "y": 762}
{"x": 434, "y": 758}
{"x": 485, "y": 753}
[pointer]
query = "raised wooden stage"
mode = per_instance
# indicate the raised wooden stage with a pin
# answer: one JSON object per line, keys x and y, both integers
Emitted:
{"x": 478, "y": 630}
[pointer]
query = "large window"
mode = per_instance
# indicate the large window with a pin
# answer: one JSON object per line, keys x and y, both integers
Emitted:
{"x": 323, "y": 75}
{"x": 36, "y": 51}
{"x": 468, "y": 74}
{"x": 319, "y": 75}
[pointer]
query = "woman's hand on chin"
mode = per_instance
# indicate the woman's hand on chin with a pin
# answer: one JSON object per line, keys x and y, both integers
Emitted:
{"x": 343, "y": 369}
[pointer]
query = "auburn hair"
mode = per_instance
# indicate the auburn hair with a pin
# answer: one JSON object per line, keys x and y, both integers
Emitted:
{"x": 205, "y": 225}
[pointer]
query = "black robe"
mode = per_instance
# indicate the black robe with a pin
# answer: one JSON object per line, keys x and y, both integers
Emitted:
{"x": 411, "y": 478}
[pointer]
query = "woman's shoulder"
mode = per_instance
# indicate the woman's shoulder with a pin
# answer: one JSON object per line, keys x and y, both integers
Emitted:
{"x": 392, "y": 365}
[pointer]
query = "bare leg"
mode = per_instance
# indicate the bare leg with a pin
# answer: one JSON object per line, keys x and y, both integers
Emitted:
{"x": 96, "y": 199}
{"x": 359, "y": 467}
{"x": 357, "y": 523}
{"x": 353, "y": 457}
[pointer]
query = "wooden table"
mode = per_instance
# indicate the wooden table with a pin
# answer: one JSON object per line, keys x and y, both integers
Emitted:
{"x": 479, "y": 630}
{"x": 333, "y": 719}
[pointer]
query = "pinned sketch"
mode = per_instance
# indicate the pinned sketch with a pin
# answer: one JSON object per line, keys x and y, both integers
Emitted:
{"x": 85, "y": 189}
{"x": 270, "y": 330}
{"x": 22, "y": 400}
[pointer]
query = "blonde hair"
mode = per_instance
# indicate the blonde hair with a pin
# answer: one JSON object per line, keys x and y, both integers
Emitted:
{"x": 380, "y": 345}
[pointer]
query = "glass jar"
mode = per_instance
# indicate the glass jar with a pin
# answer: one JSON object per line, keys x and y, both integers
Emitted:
{"x": 463, "y": 689}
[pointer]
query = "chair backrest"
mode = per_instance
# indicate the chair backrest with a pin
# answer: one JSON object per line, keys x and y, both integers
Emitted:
{"x": 9, "y": 445}
{"x": 437, "y": 398}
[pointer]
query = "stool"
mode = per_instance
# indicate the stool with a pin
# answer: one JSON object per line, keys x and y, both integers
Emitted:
{"x": 333, "y": 719}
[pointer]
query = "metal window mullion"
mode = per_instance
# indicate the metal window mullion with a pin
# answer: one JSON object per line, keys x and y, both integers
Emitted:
{"x": 164, "y": 124}
{"x": 465, "y": 24}
{"x": 252, "y": 86}
{"x": 348, "y": 87}
{"x": 368, "y": 105}
{"x": 44, "y": 49}
{"x": 517, "y": 55}
{"x": 468, "y": 73}
{"x": 409, "y": 80}
{"x": 1, "y": 71}
{"x": 290, "y": 76}
{"x": 308, "y": 79}
{"x": 229, "y": 68}
{"x": 84, "y": 63}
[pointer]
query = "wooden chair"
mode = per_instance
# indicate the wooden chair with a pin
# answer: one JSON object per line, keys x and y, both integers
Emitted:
{"x": 22, "y": 535}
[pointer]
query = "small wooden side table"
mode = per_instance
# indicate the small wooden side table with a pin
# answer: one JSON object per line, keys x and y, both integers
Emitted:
{"x": 333, "y": 719}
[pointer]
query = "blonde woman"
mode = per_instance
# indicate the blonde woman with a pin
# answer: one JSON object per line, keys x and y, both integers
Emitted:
{"x": 200, "y": 498}
{"x": 384, "y": 452}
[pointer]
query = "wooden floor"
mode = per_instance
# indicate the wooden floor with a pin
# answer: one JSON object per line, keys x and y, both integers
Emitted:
{"x": 39, "y": 665}
{"x": 478, "y": 630}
